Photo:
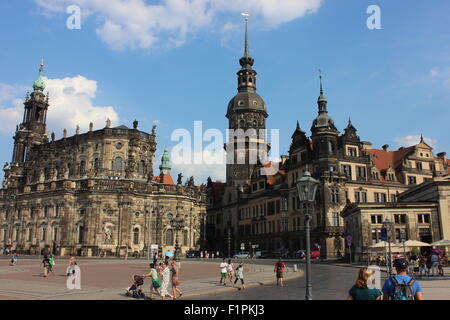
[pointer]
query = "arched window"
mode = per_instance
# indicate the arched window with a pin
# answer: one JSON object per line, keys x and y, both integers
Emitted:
{"x": 136, "y": 236}
{"x": 118, "y": 164}
{"x": 55, "y": 234}
{"x": 141, "y": 168}
{"x": 169, "y": 237}
{"x": 80, "y": 234}
{"x": 70, "y": 169}
{"x": 83, "y": 168}
{"x": 185, "y": 238}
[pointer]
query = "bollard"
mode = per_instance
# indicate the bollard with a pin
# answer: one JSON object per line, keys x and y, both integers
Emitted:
{"x": 295, "y": 267}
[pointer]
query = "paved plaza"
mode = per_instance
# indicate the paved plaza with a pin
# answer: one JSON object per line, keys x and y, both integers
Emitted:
{"x": 106, "y": 279}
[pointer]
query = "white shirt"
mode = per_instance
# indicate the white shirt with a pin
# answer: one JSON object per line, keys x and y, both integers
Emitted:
{"x": 223, "y": 267}
{"x": 240, "y": 273}
{"x": 230, "y": 267}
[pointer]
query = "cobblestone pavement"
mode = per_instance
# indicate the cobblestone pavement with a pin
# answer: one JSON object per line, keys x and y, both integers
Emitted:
{"x": 106, "y": 279}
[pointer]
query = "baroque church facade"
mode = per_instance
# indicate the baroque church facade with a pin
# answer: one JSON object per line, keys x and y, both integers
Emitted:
{"x": 254, "y": 210}
{"x": 93, "y": 193}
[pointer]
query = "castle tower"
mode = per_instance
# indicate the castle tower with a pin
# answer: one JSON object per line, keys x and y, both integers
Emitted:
{"x": 247, "y": 123}
{"x": 32, "y": 130}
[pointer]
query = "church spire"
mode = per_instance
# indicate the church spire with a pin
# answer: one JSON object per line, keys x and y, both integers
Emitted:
{"x": 39, "y": 84}
{"x": 322, "y": 100}
{"x": 246, "y": 15}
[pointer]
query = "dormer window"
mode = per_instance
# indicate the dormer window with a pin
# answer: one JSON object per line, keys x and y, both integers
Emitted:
{"x": 352, "y": 152}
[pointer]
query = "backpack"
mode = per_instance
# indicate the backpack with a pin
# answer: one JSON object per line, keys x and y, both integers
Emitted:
{"x": 280, "y": 266}
{"x": 402, "y": 291}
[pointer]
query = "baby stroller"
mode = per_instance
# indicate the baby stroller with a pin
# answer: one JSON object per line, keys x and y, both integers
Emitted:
{"x": 135, "y": 290}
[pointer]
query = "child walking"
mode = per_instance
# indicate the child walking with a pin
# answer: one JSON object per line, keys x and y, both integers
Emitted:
{"x": 240, "y": 276}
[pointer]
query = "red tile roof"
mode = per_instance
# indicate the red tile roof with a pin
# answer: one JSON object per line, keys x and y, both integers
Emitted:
{"x": 167, "y": 179}
{"x": 384, "y": 160}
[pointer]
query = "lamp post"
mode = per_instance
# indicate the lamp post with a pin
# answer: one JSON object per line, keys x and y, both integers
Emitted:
{"x": 387, "y": 224}
{"x": 177, "y": 224}
{"x": 306, "y": 188}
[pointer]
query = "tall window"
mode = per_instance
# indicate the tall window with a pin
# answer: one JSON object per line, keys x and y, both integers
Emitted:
{"x": 352, "y": 152}
{"x": 185, "y": 238}
{"x": 361, "y": 172}
{"x": 46, "y": 211}
{"x": 364, "y": 197}
{"x": 347, "y": 171}
{"x": 335, "y": 222}
{"x": 17, "y": 234}
{"x": 136, "y": 236}
{"x": 80, "y": 234}
{"x": 357, "y": 197}
{"x": 169, "y": 237}
{"x": 55, "y": 234}
{"x": 419, "y": 165}
{"x": 118, "y": 164}
{"x": 141, "y": 168}
{"x": 412, "y": 180}
{"x": 44, "y": 233}
{"x": 335, "y": 195}
{"x": 96, "y": 164}
{"x": 82, "y": 168}
{"x": 30, "y": 234}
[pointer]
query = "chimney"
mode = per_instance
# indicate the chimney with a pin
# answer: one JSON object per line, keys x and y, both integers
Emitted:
{"x": 385, "y": 147}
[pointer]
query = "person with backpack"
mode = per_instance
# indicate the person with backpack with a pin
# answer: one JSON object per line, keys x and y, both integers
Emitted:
{"x": 279, "y": 269}
{"x": 401, "y": 286}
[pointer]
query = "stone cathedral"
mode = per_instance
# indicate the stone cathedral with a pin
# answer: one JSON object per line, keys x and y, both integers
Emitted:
{"x": 93, "y": 193}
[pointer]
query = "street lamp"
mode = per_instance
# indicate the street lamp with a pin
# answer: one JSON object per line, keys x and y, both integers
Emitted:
{"x": 177, "y": 224}
{"x": 387, "y": 224}
{"x": 306, "y": 188}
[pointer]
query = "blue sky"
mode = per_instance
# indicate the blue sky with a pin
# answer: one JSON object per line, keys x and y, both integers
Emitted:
{"x": 394, "y": 83}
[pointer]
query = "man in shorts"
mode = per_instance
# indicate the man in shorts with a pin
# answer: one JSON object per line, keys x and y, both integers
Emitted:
{"x": 223, "y": 272}
{"x": 279, "y": 269}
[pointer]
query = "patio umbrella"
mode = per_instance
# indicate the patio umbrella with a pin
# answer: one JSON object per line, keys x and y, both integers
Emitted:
{"x": 415, "y": 243}
{"x": 169, "y": 254}
{"x": 441, "y": 243}
{"x": 382, "y": 244}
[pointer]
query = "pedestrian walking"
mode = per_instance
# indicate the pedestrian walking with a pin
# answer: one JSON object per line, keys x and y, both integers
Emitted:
{"x": 223, "y": 272}
{"x": 364, "y": 288}
{"x": 155, "y": 258}
{"x": 73, "y": 273}
{"x": 422, "y": 266}
{"x": 156, "y": 283}
{"x": 201, "y": 254}
{"x": 401, "y": 286}
{"x": 217, "y": 254}
{"x": 240, "y": 276}
{"x": 46, "y": 265}
{"x": 165, "y": 274}
{"x": 14, "y": 259}
{"x": 434, "y": 264}
{"x": 230, "y": 270}
{"x": 280, "y": 267}
{"x": 175, "y": 273}
{"x": 51, "y": 260}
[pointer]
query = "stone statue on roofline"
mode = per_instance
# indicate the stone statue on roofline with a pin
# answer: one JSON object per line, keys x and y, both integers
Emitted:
{"x": 179, "y": 180}
{"x": 108, "y": 123}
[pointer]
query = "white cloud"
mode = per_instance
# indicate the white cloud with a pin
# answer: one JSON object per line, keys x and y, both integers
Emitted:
{"x": 411, "y": 140}
{"x": 71, "y": 104}
{"x": 434, "y": 72}
{"x": 137, "y": 24}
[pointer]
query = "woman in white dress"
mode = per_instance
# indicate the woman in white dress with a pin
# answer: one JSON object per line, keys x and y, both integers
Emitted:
{"x": 165, "y": 273}
{"x": 73, "y": 275}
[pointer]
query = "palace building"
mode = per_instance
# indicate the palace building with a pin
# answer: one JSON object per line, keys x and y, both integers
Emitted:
{"x": 253, "y": 210}
{"x": 93, "y": 192}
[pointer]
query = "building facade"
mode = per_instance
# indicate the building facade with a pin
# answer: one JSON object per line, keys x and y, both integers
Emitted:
{"x": 92, "y": 192}
{"x": 421, "y": 213}
{"x": 255, "y": 208}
